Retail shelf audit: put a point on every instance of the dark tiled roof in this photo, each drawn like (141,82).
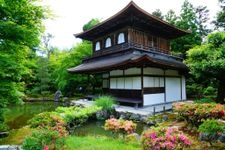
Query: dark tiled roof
(133,58)
(125,17)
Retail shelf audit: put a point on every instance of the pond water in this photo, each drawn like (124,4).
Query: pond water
(97,128)
(17,116)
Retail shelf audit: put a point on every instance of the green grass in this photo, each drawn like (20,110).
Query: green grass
(106,102)
(16,136)
(98,143)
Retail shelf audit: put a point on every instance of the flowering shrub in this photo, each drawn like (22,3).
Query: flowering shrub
(119,125)
(46,119)
(195,114)
(166,139)
(43,139)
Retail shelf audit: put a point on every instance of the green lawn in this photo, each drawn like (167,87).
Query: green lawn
(98,143)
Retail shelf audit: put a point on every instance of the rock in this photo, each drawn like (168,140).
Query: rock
(222,138)
(10,147)
(4,134)
(165,117)
(102,115)
(208,137)
(135,117)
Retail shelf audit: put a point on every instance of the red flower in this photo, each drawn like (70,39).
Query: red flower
(46,147)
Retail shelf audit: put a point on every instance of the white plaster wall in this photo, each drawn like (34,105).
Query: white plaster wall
(153,71)
(116,72)
(173,89)
(131,71)
(136,83)
(172,73)
(128,83)
(113,84)
(161,84)
(120,83)
(150,99)
(153,82)
(184,96)
(148,81)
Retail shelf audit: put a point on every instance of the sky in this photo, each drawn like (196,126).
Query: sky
(71,15)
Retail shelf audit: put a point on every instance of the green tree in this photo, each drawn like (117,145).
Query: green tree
(187,21)
(20,29)
(43,76)
(90,24)
(171,17)
(220,18)
(158,14)
(202,18)
(208,61)
(66,81)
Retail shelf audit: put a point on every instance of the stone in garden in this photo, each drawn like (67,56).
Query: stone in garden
(165,117)
(222,138)
(57,95)
(135,117)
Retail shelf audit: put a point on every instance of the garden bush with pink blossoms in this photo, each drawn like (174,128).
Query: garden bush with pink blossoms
(120,126)
(195,114)
(164,139)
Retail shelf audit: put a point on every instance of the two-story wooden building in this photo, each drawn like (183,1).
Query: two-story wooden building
(132,52)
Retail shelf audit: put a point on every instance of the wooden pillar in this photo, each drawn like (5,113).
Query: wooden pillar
(164,76)
(142,84)
(181,88)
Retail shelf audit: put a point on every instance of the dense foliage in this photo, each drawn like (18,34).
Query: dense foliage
(43,139)
(208,61)
(164,138)
(195,114)
(46,119)
(212,126)
(65,81)
(76,115)
(21,26)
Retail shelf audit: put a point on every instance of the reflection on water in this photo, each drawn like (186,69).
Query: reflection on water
(18,115)
(97,128)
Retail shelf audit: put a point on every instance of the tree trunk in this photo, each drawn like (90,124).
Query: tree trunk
(221,92)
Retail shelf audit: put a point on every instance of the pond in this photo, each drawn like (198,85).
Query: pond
(97,128)
(17,116)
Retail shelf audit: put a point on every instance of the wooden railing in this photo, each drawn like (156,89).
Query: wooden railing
(125,46)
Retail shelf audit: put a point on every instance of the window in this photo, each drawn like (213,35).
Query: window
(121,38)
(108,42)
(97,46)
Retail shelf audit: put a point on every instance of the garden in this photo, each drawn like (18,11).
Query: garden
(33,70)
(191,125)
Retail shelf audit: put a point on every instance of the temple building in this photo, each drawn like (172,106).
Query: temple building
(132,52)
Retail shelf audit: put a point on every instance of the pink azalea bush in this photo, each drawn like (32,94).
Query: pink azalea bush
(195,114)
(164,139)
(119,125)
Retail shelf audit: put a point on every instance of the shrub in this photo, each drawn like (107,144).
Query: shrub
(76,115)
(3,127)
(204,100)
(162,138)
(211,130)
(212,126)
(120,126)
(195,114)
(46,119)
(106,102)
(43,139)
